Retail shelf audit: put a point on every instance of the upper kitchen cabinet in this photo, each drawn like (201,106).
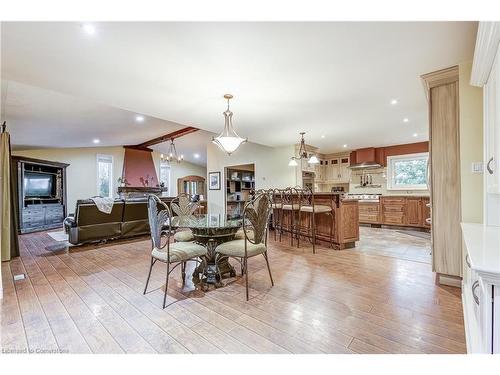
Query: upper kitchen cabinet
(444,162)
(491,90)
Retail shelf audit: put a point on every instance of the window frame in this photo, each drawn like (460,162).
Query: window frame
(390,171)
(102,158)
(169,167)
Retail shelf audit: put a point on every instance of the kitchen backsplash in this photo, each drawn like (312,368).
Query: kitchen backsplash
(378,177)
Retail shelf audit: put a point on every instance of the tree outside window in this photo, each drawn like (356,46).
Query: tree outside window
(407,172)
(105,176)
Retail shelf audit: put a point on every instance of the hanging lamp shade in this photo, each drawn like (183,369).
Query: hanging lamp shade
(292,162)
(313,160)
(228,141)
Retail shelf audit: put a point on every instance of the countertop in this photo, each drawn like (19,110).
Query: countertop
(406,195)
(483,247)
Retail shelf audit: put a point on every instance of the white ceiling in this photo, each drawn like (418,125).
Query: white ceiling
(40,118)
(334,79)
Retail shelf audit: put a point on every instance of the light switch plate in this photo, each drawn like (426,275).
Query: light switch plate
(477,167)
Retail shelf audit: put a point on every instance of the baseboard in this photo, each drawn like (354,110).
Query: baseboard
(1,293)
(449,280)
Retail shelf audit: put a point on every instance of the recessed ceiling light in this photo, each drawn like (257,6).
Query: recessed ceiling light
(322,136)
(139,118)
(345,146)
(96,141)
(415,134)
(196,156)
(394,101)
(89,28)
(405,119)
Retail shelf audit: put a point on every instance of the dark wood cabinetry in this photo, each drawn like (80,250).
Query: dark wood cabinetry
(41,193)
(399,211)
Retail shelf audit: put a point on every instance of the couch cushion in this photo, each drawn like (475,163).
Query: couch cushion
(179,251)
(236,248)
(88,214)
(135,228)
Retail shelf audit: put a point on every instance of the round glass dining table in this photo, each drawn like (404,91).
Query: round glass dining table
(210,230)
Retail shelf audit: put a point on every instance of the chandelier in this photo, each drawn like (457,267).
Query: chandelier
(228,141)
(172,154)
(302,154)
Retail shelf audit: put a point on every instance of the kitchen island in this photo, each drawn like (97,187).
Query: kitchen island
(344,226)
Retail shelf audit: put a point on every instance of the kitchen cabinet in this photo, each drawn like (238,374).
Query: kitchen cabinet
(481,288)
(369,212)
(396,210)
(413,211)
(337,170)
(444,162)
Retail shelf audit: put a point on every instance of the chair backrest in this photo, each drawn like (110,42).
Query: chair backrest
(257,212)
(159,222)
(305,197)
(183,206)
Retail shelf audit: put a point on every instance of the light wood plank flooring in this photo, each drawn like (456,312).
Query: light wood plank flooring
(89,299)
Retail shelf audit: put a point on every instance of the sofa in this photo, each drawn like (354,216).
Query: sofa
(128,218)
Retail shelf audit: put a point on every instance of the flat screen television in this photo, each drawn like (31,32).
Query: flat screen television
(39,185)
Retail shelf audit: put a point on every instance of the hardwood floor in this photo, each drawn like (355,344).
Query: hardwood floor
(90,300)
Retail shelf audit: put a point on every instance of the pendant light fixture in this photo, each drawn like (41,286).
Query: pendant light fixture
(302,154)
(228,141)
(172,154)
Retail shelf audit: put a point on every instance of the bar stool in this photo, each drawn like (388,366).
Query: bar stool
(308,206)
(277,206)
(291,207)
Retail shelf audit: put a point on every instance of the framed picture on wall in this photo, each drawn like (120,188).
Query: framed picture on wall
(214,180)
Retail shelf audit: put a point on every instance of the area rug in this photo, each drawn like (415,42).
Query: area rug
(59,236)
(415,233)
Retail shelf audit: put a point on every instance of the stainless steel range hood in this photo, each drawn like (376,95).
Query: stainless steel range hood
(366,165)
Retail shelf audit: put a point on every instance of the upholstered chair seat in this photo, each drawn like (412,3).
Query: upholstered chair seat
(236,248)
(184,236)
(318,208)
(291,206)
(179,252)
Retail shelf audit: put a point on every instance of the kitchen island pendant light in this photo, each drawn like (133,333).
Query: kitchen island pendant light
(302,154)
(228,141)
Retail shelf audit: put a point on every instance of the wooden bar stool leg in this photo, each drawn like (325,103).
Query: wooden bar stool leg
(331,229)
(314,232)
(298,230)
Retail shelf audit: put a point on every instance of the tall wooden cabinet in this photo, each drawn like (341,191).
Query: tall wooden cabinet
(444,164)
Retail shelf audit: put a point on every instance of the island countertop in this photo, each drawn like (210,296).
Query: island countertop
(343,220)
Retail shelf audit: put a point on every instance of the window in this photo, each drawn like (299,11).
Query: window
(407,172)
(105,176)
(165,176)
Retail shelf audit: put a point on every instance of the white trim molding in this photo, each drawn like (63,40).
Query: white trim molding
(487,40)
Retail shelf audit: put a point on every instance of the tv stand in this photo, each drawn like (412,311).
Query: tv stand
(44,212)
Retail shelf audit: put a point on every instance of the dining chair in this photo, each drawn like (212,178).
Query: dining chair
(256,214)
(183,207)
(172,254)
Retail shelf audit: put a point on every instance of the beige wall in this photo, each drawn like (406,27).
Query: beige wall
(271,168)
(82,170)
(471,145)
(184,169)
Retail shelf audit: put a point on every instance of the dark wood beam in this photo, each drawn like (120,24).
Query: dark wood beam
(166,137)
